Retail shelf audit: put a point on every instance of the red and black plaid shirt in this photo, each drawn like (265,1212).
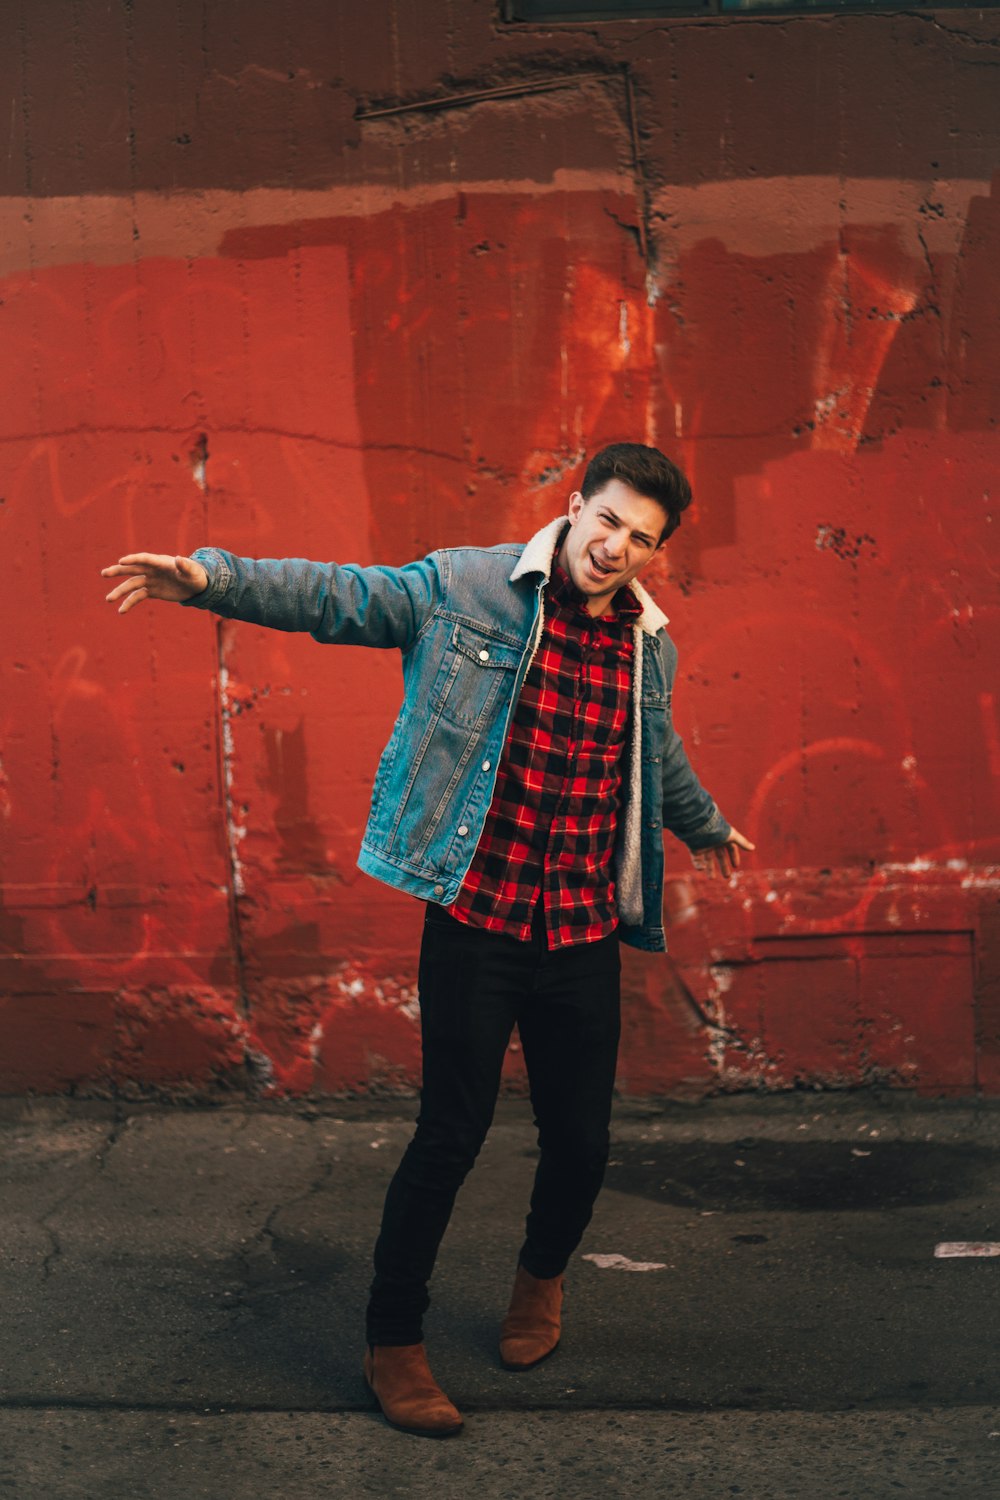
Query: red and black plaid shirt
(550,829)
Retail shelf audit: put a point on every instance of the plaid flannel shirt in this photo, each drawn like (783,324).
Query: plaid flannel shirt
(550,830)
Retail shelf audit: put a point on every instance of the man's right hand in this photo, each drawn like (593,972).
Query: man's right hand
(153,575)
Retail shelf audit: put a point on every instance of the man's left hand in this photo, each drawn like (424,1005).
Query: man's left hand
(724,858)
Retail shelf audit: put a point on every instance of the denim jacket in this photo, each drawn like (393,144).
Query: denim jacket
(468,621)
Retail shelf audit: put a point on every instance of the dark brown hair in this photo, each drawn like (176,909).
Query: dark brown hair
(646,470)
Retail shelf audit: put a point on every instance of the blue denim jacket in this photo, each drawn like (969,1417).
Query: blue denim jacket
(467,621)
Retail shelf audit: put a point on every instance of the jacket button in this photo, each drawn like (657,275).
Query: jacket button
(484,656)
(486,765)
(463,831)
(653,823)
(439,890)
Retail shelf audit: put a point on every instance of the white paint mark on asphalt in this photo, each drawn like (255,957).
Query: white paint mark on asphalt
(952,1249)
(856,1151)
(622,1263)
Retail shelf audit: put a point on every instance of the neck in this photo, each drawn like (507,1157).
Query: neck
(598,607)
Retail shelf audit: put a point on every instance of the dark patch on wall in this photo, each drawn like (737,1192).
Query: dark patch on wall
(117,99)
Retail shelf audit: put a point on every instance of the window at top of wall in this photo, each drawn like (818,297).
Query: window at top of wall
(633,10)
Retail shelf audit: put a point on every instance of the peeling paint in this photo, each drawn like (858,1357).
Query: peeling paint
(623,337)
(235,830)
(199,462)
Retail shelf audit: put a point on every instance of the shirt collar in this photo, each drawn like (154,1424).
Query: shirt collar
(563,591)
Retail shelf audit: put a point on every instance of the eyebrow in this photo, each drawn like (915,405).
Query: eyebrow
(642,536)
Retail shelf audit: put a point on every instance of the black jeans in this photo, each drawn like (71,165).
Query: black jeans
(474,986)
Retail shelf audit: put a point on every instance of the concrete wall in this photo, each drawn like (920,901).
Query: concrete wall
(242,305)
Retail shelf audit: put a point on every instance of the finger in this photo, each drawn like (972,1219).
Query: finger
(136,597)
(146,559)
(734,855)
(117,569)
(138,582)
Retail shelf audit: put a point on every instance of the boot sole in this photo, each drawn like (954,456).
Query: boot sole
(507,1365)
(430,1432)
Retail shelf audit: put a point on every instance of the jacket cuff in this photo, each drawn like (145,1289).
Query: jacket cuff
(219,578)
(714,831)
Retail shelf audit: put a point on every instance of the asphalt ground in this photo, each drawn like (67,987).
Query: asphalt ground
(182,1296)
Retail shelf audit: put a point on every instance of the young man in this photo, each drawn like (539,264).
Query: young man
(522,796)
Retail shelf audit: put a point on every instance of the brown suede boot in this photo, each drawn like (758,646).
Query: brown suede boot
(407,1392)
(531,1329)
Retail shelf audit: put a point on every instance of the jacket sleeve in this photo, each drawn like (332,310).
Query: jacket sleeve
(337,604)
(688,810)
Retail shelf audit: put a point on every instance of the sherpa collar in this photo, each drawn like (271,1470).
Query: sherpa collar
(537,558)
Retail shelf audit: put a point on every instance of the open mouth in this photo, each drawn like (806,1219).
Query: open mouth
(598,568)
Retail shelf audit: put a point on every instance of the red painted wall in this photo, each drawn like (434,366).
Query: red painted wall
(236,311)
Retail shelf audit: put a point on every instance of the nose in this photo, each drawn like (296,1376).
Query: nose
(614,544)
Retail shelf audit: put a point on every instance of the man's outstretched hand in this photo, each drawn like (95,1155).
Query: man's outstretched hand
(724,857)
(153,575)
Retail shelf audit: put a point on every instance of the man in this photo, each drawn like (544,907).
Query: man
(522,796)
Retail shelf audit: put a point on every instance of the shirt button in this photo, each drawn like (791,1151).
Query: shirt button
(486,765)
(439,890)
(484,656)
(463,831)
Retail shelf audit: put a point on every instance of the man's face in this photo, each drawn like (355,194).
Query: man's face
(611,538)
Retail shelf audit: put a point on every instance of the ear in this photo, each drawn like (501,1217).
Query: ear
(666,534)
(576,504)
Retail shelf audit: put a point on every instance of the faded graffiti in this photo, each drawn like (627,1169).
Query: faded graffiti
(182,800)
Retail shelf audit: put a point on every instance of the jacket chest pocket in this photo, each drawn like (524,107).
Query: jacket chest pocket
(477,670)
